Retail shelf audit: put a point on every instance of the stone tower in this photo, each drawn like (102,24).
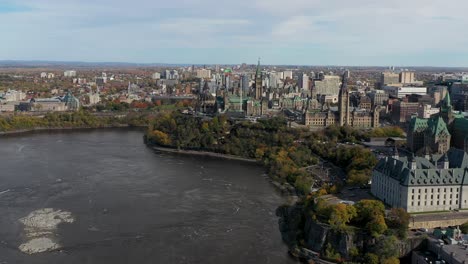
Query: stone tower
(343,102)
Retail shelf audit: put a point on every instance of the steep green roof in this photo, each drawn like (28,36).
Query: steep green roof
(447,104)
(427,173)
(418,124)
(437,126)
(259,71)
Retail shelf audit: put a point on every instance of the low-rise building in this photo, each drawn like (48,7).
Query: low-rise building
(400,92)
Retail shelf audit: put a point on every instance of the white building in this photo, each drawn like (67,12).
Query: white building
(156,76)
(426,111)
(7,107)
(203,73)
(423,184)
(400,92)
(43,74)
(287,74)
(274,79)
(327,85)
(407,77)
(303,81)
(12,96)
(69,73)
(171,75)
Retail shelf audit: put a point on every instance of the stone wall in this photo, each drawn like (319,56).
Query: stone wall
(437,223)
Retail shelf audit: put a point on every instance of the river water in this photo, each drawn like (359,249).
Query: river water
(130,204)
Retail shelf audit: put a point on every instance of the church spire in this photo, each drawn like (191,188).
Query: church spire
(258,72)
(448,101)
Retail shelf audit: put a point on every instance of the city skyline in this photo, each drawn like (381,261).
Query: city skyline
(299,32)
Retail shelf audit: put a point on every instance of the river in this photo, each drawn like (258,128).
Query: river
(129,204)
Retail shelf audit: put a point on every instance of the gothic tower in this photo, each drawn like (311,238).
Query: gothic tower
(446,110)
(343,102)
(258,82)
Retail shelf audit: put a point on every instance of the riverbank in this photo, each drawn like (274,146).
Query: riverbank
(50,129)
(203,153)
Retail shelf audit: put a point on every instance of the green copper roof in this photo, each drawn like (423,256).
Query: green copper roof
(437,126)
(418,124)
(427,173)
(259,71)
(447,104)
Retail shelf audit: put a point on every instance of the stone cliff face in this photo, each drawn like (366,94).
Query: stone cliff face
(299,231)
(317,236)
(290,223)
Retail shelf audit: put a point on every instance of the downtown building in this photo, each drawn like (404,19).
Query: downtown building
(435,176)
(343,115)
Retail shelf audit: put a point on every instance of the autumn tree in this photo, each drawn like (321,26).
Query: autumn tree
(160,138)
(371,215)
(341,214)
(399,219)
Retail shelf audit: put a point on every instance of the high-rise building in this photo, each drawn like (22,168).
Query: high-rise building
(156,76)
(274,79)
(203,73)
(287,74)
(244,83)
(303,81)
(407,77)
(378,97)
(258,83)
(389,78)
(327,85)
(171,75)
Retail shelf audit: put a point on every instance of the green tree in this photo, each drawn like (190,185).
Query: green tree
(386,247)
(464,228)
(399,219)
(371,214)
(371,258)
(391,260)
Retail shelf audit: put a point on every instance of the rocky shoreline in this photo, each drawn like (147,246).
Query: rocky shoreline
(203,153)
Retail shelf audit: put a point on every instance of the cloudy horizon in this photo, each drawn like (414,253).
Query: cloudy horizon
(295,32)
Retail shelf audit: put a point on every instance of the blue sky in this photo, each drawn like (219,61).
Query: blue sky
(299,32)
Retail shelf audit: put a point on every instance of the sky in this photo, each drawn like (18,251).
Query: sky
(287,32)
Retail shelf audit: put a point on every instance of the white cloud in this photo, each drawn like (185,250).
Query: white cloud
(364,28)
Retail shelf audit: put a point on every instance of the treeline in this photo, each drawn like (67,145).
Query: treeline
(386,230)
(70,120)
(156,105)
(285,151)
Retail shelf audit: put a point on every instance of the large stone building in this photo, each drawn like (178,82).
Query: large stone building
(428,135)
(437,178)
(327,85)
(423,184)
(344,115)
(389,78)
(438,133)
